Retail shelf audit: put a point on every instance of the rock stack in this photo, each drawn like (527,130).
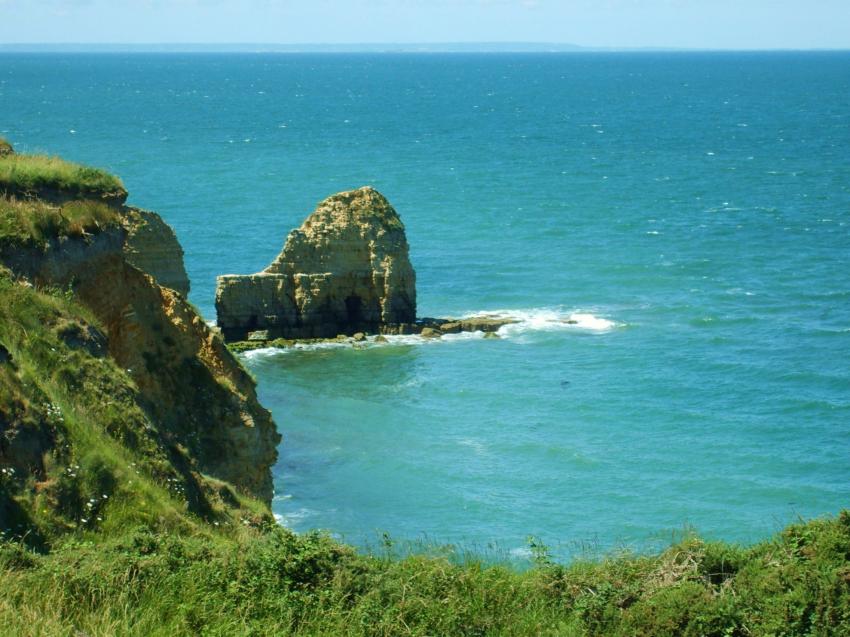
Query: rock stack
(345,270)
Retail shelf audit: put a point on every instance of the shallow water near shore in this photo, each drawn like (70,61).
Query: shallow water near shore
(690,212)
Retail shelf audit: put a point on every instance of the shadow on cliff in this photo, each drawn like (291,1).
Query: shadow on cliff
(16,523)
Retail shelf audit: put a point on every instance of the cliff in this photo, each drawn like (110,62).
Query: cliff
(149,243)
(345,269)
(152,247)
(104,373)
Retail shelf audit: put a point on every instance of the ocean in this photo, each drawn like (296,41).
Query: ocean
(691,211)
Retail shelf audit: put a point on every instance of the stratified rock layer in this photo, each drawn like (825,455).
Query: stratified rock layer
(345,270)
(152,246)
(188,382)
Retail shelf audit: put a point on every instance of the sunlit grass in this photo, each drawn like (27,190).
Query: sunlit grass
(31,173)
(274,582)
(35,223)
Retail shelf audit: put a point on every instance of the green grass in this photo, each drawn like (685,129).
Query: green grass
(87,456)
(31,174)
(33,224)
(272,582)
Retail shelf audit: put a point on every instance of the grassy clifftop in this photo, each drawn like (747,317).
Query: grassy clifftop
(116,402)
(43,176)
(33,224)
(117,406)
(268,581)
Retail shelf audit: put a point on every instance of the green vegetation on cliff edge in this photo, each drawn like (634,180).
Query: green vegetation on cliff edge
(269,581)
(107,526)
(31,224)
(21,174)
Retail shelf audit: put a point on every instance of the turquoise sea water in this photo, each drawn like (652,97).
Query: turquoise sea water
(692,209)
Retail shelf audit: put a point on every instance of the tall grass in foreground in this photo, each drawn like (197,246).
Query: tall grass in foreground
(273,582)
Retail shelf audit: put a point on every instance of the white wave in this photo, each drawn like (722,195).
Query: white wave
(293,517)
(521,552)
(591,322)
(263,352)
(525,321)
(416,339)
(546,320)
(476,446)
(269,352)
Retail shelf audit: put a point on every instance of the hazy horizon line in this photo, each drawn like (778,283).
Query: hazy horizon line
(376,47)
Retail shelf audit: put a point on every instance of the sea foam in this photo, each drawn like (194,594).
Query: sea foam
(547,320)
(527,321)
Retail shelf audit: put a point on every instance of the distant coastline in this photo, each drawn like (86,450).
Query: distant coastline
(391,48)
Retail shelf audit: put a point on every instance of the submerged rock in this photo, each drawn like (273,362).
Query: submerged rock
(452,327)
(485,324)
(346,269)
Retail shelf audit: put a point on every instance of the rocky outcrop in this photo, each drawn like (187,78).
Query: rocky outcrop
(189,383)
(6,148)
(193,390)
(345,270)
(152,246)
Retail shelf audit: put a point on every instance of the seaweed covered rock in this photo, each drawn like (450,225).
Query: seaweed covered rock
(345,270)
(6,148)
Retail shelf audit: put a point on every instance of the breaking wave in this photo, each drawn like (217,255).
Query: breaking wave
(526,322)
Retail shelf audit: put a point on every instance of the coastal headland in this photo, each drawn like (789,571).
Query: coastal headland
(135,469)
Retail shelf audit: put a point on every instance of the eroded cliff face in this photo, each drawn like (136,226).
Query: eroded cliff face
(189,382)
(190,386)
(152,246)
(346,269)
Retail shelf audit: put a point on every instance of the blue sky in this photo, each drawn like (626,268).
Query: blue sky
(721,24)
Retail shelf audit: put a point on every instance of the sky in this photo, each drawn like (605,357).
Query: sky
(700,24)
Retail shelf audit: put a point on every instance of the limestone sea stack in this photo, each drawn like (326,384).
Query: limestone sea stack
(345,270)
